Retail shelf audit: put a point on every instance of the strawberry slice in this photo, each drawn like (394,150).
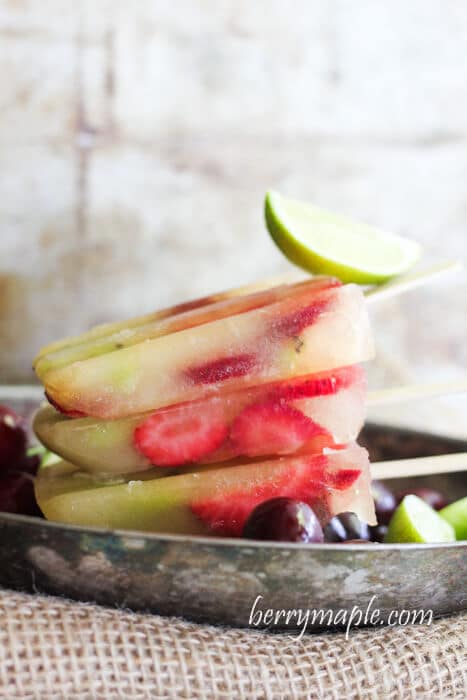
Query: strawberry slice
(170,438)
(280,427)
(227,513)
(222,369)
(307,480)
(294,323)
(344,478)
(324,384)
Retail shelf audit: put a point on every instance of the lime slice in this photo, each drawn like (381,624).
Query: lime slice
(325,243)
(456,515)
(416,521)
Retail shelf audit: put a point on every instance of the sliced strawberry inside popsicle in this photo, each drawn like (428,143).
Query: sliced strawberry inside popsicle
(273,427)
(182,437)
(305,480)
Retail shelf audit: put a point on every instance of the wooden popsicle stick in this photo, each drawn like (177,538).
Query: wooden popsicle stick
(398,285)
(405,283)
(415,392)
(419,466)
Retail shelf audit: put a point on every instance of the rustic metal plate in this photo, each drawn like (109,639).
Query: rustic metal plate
(218,580)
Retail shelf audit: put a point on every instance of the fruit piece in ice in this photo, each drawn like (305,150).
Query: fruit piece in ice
(209,500)
(416,521)
(456,515)
(167,439)
(283,520)
(345,527)
(308,478)
(334,401)
(273,426)
(223,369)
(238,351)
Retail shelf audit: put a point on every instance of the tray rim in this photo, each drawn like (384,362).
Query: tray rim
(204,540)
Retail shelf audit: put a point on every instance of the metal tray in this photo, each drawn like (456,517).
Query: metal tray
(218,580)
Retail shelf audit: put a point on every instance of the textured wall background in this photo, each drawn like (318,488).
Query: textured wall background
(137,141)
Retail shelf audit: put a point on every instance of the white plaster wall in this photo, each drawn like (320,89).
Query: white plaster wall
(137,141)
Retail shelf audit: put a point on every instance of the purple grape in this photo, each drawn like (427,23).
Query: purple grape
(378,532)
(344,527)
(13,439)
(385,502)
(434,498)
(283,520)
(29,464)
(17,494)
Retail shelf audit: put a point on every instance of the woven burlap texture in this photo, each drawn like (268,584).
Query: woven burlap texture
(56,649)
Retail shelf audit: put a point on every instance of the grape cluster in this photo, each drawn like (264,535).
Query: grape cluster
(289,520)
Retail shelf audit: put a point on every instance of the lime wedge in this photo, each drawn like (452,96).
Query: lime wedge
(456,515)
(325,243)
(416,521)
(49,459)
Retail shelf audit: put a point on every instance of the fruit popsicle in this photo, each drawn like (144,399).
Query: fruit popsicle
(208,500)
(307,413)
(111,330)
(160,325)
(313,327)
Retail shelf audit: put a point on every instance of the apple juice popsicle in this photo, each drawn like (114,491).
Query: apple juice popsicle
(296,330)
(209,500)
(302,414)
(84,345)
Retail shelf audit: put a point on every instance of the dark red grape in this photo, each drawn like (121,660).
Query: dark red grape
(17,494)
(385,502)
(29,464)
(434,498)
(378,532)
(344,527)
(283,520)
(13,439)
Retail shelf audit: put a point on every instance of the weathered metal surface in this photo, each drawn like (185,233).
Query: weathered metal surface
(215,580)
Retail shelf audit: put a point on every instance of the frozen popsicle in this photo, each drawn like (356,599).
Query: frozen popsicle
(306,328)
(104,330)
(208,500)
(307,413)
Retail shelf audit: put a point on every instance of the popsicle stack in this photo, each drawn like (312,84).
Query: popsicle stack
(186,419)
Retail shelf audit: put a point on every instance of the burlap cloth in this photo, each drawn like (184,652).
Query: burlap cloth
(56,649)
